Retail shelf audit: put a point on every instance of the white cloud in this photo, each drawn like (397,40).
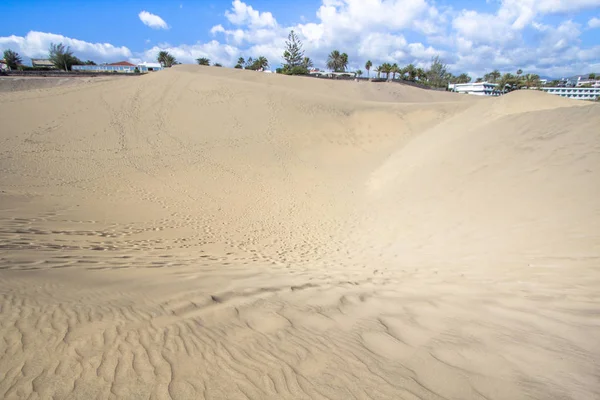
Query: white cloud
(243,14)
(215,51)
(516,34)
(152,20)
(484,28)
(558,6)
(362,28)
(36,44)
(216,29)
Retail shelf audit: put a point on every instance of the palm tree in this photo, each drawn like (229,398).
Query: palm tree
(394,70)
(334,60)
(492,77)
(12,59)
(358,73)
(479,80)
(379,71)
(421,74)
(166,59)
(368,66)
(532,80)
(337,61)
(592,76)
(495,75)
(217,64)
(162,56)
(171,61)
(519,72)
(261,63)
(463,78)
(307,63)
(386,68)
(508,82)
(241,61)
(203,61)
(344,61)
(411,71)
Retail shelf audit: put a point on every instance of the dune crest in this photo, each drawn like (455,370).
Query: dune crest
(215,233)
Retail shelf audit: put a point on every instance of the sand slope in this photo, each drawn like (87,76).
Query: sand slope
(223,234)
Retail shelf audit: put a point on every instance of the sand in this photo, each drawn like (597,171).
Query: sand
(209,233)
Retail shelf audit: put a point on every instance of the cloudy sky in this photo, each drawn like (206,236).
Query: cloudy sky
(550,37)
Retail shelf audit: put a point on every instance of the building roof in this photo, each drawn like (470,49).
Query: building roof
(41,62)
(123,64)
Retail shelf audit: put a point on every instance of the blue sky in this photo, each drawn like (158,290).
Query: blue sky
(549,37)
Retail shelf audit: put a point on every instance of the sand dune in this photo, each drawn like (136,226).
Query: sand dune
(223,234)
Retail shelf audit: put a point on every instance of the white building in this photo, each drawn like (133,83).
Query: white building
(475,88)
(579,93)
(588,82)
(150,66)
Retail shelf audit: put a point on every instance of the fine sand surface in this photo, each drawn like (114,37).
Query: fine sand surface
(209,233)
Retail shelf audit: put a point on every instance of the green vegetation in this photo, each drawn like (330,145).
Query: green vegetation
(12,59)
(462,78)
(294,56)
(307,63)
(62,57)
(378,70)
(254,64)
(437,75)
(203,61)
(368,66)
(166,59)
(337,62)
(509,82)
(240,63)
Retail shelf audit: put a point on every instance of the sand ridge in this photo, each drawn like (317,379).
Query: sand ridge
(215,233)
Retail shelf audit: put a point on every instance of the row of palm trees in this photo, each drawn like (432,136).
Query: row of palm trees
(410,71)
(509,81)
(259,63)
(205,61)
(338,62)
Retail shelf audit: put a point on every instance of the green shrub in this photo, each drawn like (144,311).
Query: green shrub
(297,70)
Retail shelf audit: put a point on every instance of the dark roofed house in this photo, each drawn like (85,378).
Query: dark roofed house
(41,62)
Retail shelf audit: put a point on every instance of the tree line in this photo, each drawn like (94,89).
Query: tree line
(509,81)
(60,55)
(297,63)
